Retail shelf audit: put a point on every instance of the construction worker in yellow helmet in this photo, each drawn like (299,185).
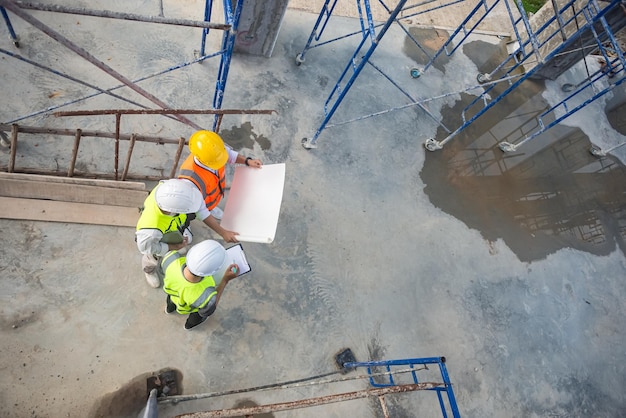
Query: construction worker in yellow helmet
(205,169)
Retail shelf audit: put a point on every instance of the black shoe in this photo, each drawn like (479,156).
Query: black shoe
(194,319)
(171,306)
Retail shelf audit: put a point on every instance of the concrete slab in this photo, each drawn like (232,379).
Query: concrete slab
(381,246)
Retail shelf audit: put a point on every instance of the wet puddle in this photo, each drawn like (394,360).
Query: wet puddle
(244,137)
(551,193)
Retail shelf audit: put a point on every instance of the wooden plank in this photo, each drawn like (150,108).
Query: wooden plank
(80,213)
(132,185)
(77,193)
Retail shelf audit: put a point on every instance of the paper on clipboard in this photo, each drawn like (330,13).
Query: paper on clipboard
(235,255)
(253,204)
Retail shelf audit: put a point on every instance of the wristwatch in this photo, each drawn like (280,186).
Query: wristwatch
(247,159)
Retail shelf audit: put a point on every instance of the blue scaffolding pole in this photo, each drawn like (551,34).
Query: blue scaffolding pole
(355,65)
(228,41)
(532,52)
(360,58)
(528,52)
(229,37)
(397,370)
(12,34)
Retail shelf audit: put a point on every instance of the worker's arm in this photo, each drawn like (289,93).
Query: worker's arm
(149,242)
(210,307)
(252,162)
(227,236)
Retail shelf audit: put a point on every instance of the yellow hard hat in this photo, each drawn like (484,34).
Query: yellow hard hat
(209,149)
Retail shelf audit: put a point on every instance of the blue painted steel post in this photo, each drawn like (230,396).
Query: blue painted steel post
(12,34)
(327,12)
(228,44)
(208,6)
(433,145)
(311,143)
(387,364)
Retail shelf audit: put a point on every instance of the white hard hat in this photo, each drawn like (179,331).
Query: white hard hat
(178,196)
(207,258)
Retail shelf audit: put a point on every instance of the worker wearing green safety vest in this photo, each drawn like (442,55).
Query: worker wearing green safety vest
(164,223)
(195,283)
(170,226)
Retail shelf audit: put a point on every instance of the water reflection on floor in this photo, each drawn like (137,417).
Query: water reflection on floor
(549,194)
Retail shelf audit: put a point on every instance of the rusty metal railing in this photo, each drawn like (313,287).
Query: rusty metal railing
(117,136)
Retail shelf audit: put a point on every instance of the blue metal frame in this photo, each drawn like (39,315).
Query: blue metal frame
(592,15)
(228,44)
(355,64)
(529,52)
(12,34)
(391,366)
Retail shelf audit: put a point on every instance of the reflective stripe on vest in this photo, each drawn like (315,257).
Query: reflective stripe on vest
(188,297)
(210,184)
(152,217)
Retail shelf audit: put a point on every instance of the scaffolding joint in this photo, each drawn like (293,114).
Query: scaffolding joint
(308,143)
(432,145)
(507,147)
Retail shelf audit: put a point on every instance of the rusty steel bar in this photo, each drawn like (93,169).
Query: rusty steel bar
(70,170)
(122,16)
(131,145)
(14,130)
(179,151)
(96,134)
(164,112)
(383,405)
(60,173)
(283,385)
(305,403)
(118,119)
(218,123)
(10,5)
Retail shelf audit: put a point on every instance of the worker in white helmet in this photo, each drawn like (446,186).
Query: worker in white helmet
(195,283)
(205,168)
(164,223)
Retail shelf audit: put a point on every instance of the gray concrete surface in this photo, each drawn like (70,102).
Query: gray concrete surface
(510,266)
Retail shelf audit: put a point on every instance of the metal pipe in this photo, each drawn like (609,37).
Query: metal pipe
(164,112)
(218,123)
(98,134)
(14,130)
(59,173)
(305,403)
(11,5)
(10,27)
(70,171)
(383,405)
(43,67)
(118,118)
(308,381)
(133,138)
(179,151)
(123,16)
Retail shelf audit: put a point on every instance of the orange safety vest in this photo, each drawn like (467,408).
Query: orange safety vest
(210,184)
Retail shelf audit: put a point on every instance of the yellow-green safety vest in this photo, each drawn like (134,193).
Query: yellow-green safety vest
(188,297)
(151,217)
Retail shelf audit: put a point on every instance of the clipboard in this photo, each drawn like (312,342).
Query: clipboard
(235,255)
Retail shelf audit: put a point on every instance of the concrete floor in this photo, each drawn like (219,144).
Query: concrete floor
(510,266)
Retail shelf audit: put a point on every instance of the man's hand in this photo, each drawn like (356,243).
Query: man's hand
(231,272)
(229,236)
(255,163)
